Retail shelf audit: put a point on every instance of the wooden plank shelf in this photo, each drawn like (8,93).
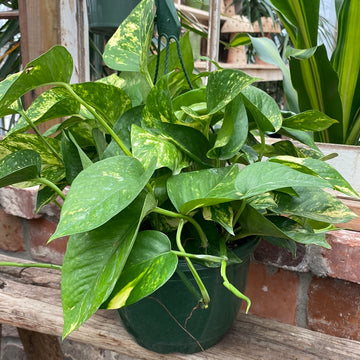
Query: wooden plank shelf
(30,301)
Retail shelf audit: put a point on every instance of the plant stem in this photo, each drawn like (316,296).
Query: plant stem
(97,117)
(226,282)
(204,242)
(25,265)
(202,288)
(21,111)
(51,185)
(210,258)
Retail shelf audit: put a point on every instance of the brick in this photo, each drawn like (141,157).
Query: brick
(343,260)
(19,202)
(40,231)
(11,238)
(334,307)
(273,293)
(267,253)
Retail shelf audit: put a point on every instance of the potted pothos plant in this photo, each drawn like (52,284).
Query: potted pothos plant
(165,182)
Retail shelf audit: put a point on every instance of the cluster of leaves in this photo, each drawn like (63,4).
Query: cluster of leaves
(159,172)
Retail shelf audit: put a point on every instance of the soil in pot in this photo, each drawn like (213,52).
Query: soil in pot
(170,320)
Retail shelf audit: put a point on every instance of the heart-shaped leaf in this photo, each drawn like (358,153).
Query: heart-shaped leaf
(100,192)
(108,100)
(253,223)
(147,146)
(223,86)
(94,260)
(320,168)
(233,132)
(19,166)
(314,204)
(52,104)
(188,191)
(263,108)
(128,48)
(55,65)
(310,120)
(150,264)
(262,177)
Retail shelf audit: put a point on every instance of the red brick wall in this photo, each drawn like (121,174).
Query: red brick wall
(318,289)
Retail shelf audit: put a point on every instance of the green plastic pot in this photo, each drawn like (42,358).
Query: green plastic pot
(168,320)
(105,16)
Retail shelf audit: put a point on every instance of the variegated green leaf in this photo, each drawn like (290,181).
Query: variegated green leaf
(127,49)
(94,260)
(15,142)
(100,192)
(108,100)
(233,132)
(262,177)
(221,214)
(147,146)
(55,65)
(52,104)
(150,264)
(158,105)
(311,120)
(314,204)
(223,86)
(319,168)
(264,109)
(19,166)
(188,191)
(253,223)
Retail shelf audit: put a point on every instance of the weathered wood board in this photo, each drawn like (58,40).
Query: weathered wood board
(30,299)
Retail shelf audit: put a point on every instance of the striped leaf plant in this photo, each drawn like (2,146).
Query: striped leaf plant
(147,164)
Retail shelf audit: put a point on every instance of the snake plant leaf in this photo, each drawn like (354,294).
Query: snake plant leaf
(254,223)
(303,15)
(127,49)
(223,86)
(189,191)
(55,65)
(268,52)
(314,204)
(108,100)
(150,264)
(263,108)
(318,168)
(87,279)
(346,62)
(52,104)
(16,142)
(100,192)
(233,132)
(319,91)
(19,166)
(311,120)
(191,141)
(221,214)
(146,146)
